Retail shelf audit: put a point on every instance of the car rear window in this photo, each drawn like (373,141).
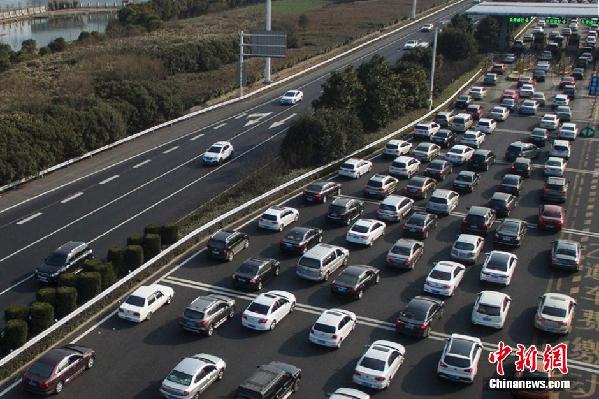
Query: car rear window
(216,243)
(401,165)
(56,259)
(269,216)
(498,262)
(437,200)
(324,328)
(375,183)
(216,149)
(478,157)
(554,186)
(249,268)
(464,246)
(484,123)
(41,369)
(258,308)
(337,208)
(436,166)
(349,166)
(310,263)
(551,213)
(179,377)
(488,309)
(392,146)
(456,361)
(440,275)
(508,228)
(386,207)
(314,188)
(559,147)
(553,311)
(193,314)
(416,182)
(136,301)
(509,180)
(459,120)
(465,178)
(347,279)
(373,364)
(295,235)
(401,250)
(358,228)
(417,221)
(475,219)
(566,251)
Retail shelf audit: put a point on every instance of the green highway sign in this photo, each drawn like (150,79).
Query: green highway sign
(587,132)
(556,21)
(589,21)
(519,20)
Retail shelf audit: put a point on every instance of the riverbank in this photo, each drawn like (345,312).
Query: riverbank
(55,13)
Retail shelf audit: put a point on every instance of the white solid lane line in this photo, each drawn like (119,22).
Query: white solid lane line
(28,218)
(16,285)
(10,387)
(219,126)
(170,149)
(72,197)
(109,179)
(139,165)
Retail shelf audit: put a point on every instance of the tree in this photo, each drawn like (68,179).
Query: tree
(57,45)
(487,34)
(342,90)
(303,21)
(455,44)
(28,46)
(461,22)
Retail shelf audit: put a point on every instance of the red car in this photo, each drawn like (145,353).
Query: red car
(52,371)
(566,80)
(476,110)
(509,93)
(551,217)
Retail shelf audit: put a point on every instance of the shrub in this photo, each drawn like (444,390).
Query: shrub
(89,285)
(169,234)
(116,256)
(134,256)
(44,51)
(47,294)
(135,240)
(152,245)
(57,45)
(152,229)
(41,316)
(66,301)
(67,280)
(15,335)
(16,312)
(91,265)
(108,277)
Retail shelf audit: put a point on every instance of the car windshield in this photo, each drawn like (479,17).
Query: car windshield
(456,361)
(489,310)
(56,259)
(498,261)
(349,166)
(416,311)
(310,263)
(566,251)
(136,301)
(193,314)
(216,243)
(553,311)
(466,178)
(401,250)
(373,364)
(478,157)
(475,219)
(465,246)
(416,221)
(510,181)
(359,228)
(258,308)
(41,369)
(347,279)
(440,275)
(249,268)
(179,377)
(326,328)
(422,147)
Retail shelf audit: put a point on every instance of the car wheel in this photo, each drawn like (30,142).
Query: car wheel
(292,307)
(296,218)
(273,325)
(325,277)
(232,312)
(90,363)
(304,250)
(345,261)
(360,294)
(338,192)
(319,239)
(281,227)
(210,330)
(277,270)
(338,344)
(259,285)
(221,374)
(59,386)
(296,386)
(347,221)
(427,331)
(149,316)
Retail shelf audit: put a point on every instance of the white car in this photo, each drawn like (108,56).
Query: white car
(529,107)
(499,267)
(568,131)
(554,166)
(560,99)
(491,309)
(538,29)
(192,376)
(410,44)
(291,97)
(426,151)
(426,130)
(426,28)
(332,327)
(366,231)
(442,201)
(478,92)
(555,313)
(348,393)
(278,217)
(397,148)
(549,121)
(467,248)
(473,138)
(486,125)
(543,65)
(499,113)
(218,153)
(444,278)
(355,168)
(379,364)
(268,309)
(422,44)
(460,357)
(526,90)
(458,154)
(145,301)
(404,166)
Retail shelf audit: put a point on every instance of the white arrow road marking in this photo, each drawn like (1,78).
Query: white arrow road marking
(196,137)
(219,126)
(72,197)
(147,161)
(282,121)
(256,118)
(109,179)
(28,218)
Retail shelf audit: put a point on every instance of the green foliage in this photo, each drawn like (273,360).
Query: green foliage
(134,256)
(461,22)
(342,90)
(91,265)
(455,44)
(106,271)
(44,51)
(135,240)
(89,284)
(152,229)
(151,245)
(57,45)
(303,21)
(16,312)
(67,280)
(66,301)
(169,234)
(198,57)
(41,317)
(83,36)
(28,46)
(487,34)
(15,335)
(116,256)
(46,294)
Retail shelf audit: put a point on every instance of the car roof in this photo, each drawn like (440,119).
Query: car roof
(557,300)
(512,221)
(341,201)
(492,298)
(567,244)
(568,124)
(381,349)
(466,173)
(190,365)
(356,270)
(478,210)
(446,265)
(275,210)
(146,290)
(320,250)
(222,235)
(201,303)
(426,145)
(300,229)
(394,199)
(550,207)
(459,147)
(379,177)
(221,143)
(403,158)
(394,141)
(354,160)
(523,160)
(70,246)
(55,355)
(366,222)
(331,317)
(467,238)
(406,243)
(499,195)
(441,193)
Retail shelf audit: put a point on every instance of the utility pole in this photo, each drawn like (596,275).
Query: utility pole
(413,15)
(241,64)
(267,28)
(430,99)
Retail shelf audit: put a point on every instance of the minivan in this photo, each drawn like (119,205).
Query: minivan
(462,122)
(394,208)
(560,148)
(321,261)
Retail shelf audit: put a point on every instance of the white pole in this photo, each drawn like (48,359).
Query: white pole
(414,9)
(267,28)
(241,64)
(430,99)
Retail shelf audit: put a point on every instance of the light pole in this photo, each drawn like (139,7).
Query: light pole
(413,15)
(267,28)
(430,99)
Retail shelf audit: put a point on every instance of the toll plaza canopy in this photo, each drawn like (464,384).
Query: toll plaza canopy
(563,10)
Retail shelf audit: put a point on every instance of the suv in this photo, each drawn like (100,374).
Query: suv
(490,79)
(270,381)
(321,191)
(344,210)
(321,261)
(442,202)
(444,137)
(254,272)
(225,244)
(444,118)
(479,220)
(460,357)
(207,312)
(555,189)
(481,160)
(66,258)
(520,149)
(538,136)
(380,185)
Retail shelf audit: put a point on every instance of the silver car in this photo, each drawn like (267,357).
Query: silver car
(566,254)
(555,313)
(192,376)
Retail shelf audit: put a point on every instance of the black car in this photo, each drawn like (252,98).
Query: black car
(479,220)
(419,225)
(466,181)
(539,75)
(344,210)
(555,189)
(502,203)
(270,381)
(444,137)
(321,191)
(510,232)
(463,102)
(481,160)
(254,272)
(300,239)
(66,258)
(354,280)
(522,167)
(521,149)
(418,317)
(419,187)
(511,184)
(438,169)
(578,73)
(225,244)
(538,136)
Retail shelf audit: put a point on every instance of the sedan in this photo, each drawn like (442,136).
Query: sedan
(254,272)
(267,310)
(479,220)
(511,184)
(510,232)
(405,253)
(486,125)
(564,113)
(551,217)
(502,203)
(459,154)
(475,110)
(491,309)
(321,191)
(508,103)
(444,137)
(509,93)
(462,102)
(560,99)
(566,254)
(426,152)
(538,136)
(355,168)
(522,167)
(426,28)
(499,267)
(354,280)
(555,313)
(410,44)
(192,376)
(549,122)
(473,138)
(300,239)
(379,364)
(554,166)
(460,357)
(499,113)
(467,248)
(348,393)
(332,327)
(481,160)
(438,169)
(366,231)
(419,187)
(291,97)
(478,92)
(144,301)
(539,97)
(526,90)
(48,374)
(528,107)
(567,131)
(419,225)
(444,278)
(418,317)
(466,181)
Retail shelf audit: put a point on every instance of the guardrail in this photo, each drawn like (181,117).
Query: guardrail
(219,105)
(220,219)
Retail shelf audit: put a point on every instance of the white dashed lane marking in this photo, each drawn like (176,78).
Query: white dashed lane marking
(219,126)
(147,161)
(72,197)
(29,218)
(170,149)
(194,138)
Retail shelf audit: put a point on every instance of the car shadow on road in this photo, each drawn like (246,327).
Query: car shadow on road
(413,383)
(298,345)
(170,333)
(522,329)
